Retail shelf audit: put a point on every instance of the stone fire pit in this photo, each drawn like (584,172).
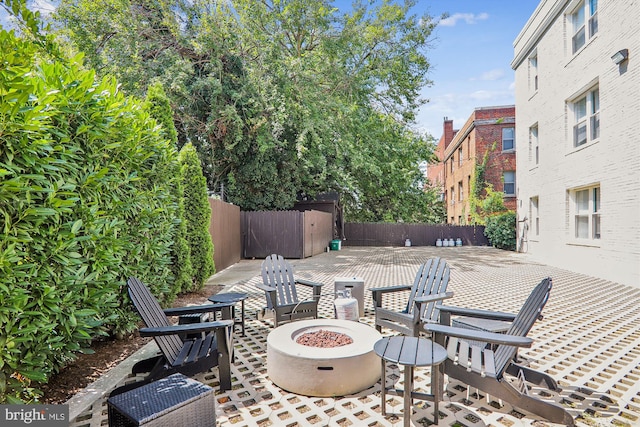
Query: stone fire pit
(318,371)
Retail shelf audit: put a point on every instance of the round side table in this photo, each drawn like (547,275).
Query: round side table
(411,352)
(232,297)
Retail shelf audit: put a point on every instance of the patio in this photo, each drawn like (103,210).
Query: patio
(589,341)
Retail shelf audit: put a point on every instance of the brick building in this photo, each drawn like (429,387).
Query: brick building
(577,77)
(490,131)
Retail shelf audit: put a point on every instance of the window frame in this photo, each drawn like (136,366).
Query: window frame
(585,214)
(505,183)
(533,72)
(585,109)
(534,215)
(583,21)
(512,139)
(534,144)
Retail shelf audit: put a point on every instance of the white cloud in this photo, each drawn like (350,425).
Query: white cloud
(495,74)
(482,95)
(469,18)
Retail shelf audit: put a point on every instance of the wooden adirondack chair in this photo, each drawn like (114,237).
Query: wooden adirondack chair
(427,292)
(280,290)
(484,367)
(188,356)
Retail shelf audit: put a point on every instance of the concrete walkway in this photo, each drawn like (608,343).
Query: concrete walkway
(589,341)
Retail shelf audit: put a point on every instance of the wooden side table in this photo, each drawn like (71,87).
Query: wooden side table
(411,352)
(232,297)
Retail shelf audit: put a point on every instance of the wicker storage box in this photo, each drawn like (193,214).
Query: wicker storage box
(172,401)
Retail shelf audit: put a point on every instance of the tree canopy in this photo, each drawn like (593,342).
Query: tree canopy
(281,98)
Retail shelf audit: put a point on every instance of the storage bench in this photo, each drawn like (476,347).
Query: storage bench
(172,401)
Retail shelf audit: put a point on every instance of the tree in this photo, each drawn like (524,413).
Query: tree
(160,109)
(197,216)
(276,96)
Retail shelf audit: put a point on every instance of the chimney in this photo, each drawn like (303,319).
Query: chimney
(447,131)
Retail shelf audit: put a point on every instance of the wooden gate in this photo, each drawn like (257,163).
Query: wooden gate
(292,234)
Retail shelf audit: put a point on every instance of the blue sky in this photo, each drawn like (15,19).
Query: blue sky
(469,57)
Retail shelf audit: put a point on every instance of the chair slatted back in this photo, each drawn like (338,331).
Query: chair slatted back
(153,316)
(432,278)
(531,310)
(278,273)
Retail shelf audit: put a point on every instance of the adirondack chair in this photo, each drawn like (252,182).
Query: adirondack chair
(189,356)
(484,367)
(281,293)
(427,292)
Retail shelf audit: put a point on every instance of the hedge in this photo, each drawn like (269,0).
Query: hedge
(86,200)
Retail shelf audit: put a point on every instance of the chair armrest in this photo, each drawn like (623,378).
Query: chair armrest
(308,282)
(488,337)
(433,298)
(179,311)
(391,289)
(265,288)
(482,314)
(190,328)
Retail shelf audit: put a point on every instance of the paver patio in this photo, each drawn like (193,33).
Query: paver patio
(589,341)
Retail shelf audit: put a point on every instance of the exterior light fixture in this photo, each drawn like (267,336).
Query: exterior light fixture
(620,56)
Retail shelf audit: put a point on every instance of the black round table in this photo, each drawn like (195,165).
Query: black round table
(232,297)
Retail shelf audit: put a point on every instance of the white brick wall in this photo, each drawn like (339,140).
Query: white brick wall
(613,161)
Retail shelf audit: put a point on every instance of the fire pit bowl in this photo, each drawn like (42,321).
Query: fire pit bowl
(318,371)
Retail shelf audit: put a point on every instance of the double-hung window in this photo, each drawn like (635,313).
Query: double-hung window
(586,203)
(581,30)
(534,152)
(509,183)
(534,215)
(508,139)
(533,72)
(586,111)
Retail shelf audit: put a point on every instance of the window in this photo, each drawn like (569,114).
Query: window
(586,209)
(509,183)
(593,17)
(534,154)
(453,197)
(534,215)
(460,193)
(585,8)
(452,161)
(586,112)
(460,156)
(533,72)
(508,139)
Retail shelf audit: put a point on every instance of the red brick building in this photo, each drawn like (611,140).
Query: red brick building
(488,130)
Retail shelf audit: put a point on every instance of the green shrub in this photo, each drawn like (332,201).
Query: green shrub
(160,109)
(86,199)
(500,229)
(197,215)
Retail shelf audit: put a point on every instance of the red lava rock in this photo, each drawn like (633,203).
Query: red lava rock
(324,339)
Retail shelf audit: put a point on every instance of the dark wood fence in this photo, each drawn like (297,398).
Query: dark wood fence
(225,233)
(292,234)
(395,234)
